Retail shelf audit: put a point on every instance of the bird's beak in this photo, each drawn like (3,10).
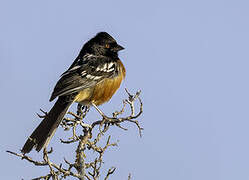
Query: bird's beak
(117,48)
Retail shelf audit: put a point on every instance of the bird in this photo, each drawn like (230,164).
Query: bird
(91,80)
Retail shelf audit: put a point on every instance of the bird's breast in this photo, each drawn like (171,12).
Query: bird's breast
(102,91)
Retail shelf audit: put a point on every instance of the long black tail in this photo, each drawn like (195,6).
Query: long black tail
(46,129)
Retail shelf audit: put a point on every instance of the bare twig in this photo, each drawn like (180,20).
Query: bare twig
(129,177)
(110,171)
(81,169)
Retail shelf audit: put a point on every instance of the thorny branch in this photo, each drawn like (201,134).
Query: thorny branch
(81,169)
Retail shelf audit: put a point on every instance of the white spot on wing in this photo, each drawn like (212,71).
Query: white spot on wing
(93,77)
(75,67)
(99,68)
(83,73)
(88,56)
(89,76)
(105,66)
(97,77)
(110,65)
(109,70)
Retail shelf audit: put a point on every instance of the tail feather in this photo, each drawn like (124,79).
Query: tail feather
(46,129)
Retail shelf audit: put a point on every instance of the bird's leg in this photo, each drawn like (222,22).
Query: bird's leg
(100,112)
(82,110)
(79,109)
(85,110)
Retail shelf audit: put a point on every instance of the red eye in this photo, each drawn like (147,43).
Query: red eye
(107,45)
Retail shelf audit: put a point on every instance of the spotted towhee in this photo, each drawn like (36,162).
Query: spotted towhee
(92,79)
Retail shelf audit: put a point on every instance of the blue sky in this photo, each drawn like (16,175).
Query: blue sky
(189,58)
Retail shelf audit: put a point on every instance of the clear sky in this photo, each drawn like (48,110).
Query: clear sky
(189,58)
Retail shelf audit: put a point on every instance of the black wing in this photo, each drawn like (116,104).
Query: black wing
(86,73)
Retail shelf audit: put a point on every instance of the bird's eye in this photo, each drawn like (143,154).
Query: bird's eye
(107,46)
